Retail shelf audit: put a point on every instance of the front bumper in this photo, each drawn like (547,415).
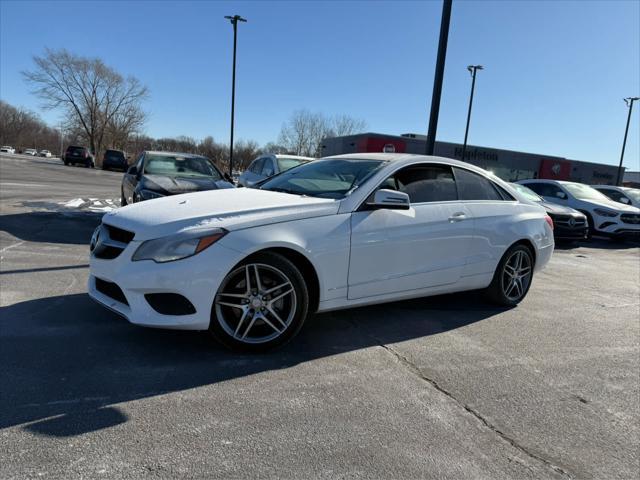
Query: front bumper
(196,278)
(615,227)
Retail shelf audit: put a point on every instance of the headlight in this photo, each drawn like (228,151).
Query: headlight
(177,247)
(149,194)
(605,213)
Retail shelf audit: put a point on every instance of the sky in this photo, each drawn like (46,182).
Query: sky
(554,79)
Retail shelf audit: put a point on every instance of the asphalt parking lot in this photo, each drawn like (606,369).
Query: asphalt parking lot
(442,387)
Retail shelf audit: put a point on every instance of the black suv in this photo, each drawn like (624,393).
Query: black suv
(81,155)
(114,159)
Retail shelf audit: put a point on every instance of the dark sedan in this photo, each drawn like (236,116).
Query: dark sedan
(568,224)
(159,174)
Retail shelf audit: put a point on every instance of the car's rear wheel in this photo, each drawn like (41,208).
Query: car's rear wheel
(260,305)
(512,278)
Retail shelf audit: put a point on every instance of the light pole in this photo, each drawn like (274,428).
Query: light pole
(472,69)
(629,101)
(439,76)
(234,21)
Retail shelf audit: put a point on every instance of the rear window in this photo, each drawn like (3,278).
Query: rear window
(75,149)
(114,154)
(285,163)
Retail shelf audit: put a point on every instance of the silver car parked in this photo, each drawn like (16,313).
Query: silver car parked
(268,165)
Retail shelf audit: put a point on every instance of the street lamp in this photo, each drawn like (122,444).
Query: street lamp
(472,70)
(234,21)
(629,101)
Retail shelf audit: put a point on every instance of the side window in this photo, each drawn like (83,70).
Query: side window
(612,194)
(472,186)
(267,169)
(548,190)
(256,166)
(536,187)
(424,183)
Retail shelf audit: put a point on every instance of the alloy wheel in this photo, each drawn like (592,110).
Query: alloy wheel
(256,303)
(516,275)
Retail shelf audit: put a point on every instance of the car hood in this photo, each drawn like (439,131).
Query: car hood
(173,185)
(232,209)
(559,209)
(611,205)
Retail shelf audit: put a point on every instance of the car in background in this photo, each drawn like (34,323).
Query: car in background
(45,153)
(30,151)
(75,155)
(266,166)
(114,159)
(7,149)
(250,265)
(626,195)
(568,224)
(160,174)
(605,217)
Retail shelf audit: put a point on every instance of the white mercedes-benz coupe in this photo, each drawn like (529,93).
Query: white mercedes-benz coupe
(250,265)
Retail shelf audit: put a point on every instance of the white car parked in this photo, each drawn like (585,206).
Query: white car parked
(266,166)
(249,265)
(7,149)
(45,153)
(31,151)
(626,195)
(605,216)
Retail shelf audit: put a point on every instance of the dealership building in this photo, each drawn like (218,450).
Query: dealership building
(506,164)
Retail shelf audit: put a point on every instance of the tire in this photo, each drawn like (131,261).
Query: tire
(272,312)
(504,289)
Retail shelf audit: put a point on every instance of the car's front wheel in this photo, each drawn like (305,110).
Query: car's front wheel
(512,278)
(260,305)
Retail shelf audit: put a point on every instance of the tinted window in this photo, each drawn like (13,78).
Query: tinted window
(472,186)
(612,194)
(256,166)
(424,183)
(115,154)
(267,169)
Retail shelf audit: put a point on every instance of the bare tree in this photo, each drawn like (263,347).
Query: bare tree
(302,134)
(22,129)
(92,94)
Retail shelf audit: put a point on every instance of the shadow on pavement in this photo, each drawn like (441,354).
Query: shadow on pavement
(65,362)
(52,227)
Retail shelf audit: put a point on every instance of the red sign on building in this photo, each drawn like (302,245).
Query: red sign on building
(553,169)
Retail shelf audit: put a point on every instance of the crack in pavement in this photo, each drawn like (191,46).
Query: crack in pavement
(404,361)
(416,371)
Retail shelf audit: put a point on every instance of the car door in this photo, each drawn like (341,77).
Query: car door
(129,180)
(493,210)
(402,250)
(268,169)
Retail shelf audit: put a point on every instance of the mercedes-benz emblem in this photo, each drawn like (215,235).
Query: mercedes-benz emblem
(572,222)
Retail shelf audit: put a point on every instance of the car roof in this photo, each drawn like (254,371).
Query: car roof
(174,154)
(296,157)
(406,158)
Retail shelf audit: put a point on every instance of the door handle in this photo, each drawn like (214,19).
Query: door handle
(457,217)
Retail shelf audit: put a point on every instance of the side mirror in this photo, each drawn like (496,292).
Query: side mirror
(133,170)
(390,199)
(561,195)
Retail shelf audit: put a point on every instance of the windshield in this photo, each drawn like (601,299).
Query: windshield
(584,192)
(324,178)
(114,154)
(527,193)
(632,193)
(177,166)
(285,163)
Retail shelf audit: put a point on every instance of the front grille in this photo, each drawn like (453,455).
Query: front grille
(110,242)
(565,221)
(111,290)
(119,235)
(633,218)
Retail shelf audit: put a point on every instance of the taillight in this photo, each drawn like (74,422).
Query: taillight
(86,155)
(549,221)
